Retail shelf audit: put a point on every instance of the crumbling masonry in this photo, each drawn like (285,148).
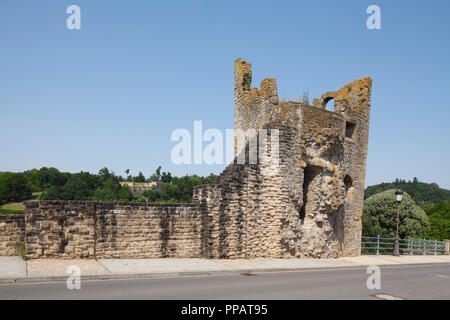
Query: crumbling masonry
(310,206)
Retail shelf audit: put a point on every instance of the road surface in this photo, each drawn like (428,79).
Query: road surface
(405,282)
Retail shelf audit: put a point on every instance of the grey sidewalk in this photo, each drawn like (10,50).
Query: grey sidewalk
(14,269)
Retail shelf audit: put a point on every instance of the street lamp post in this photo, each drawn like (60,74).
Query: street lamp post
(398,197)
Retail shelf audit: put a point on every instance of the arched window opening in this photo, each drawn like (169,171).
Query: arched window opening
(328,104)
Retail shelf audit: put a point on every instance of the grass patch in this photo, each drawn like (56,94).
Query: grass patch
(9,211)
(15,206)
(12,208)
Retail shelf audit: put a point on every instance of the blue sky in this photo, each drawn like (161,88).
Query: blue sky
(111,93)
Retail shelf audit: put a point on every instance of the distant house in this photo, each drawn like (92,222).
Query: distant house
(138,188)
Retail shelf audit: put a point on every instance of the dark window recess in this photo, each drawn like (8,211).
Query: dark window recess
(309,174)
(349,130)
(348,183)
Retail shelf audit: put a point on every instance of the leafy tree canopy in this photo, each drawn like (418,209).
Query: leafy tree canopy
(105,186)
(420,192)
(380,216)
(439,214)
(14,187)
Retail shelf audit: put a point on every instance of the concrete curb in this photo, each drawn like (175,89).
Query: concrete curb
(119,276)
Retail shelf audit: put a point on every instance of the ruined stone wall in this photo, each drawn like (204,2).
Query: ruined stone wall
(241,219)
(312,207)
(251,105)
(59,229)
(313,158)
(86,229)
(353,101)
(253,212)
(148,231)
(12,234)
(308,203)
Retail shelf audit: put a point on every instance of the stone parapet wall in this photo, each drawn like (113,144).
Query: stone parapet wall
(83,229)
(148,231)
(12,234)
(241,221)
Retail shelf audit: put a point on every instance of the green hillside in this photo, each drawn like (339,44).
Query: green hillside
(421,192)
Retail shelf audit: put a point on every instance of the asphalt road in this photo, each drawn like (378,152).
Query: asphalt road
(406,282)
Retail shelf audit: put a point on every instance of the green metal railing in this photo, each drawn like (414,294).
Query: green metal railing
(378,245)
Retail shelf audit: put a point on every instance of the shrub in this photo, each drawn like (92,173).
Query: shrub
(380,216)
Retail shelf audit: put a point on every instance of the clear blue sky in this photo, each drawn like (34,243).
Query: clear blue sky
(111,93)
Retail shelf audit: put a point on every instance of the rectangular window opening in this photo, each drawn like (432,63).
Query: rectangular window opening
(349,130)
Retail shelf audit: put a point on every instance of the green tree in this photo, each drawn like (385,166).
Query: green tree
(105,186)
(152,195)
(52,177)
(104,194)
(172,193)
(14,187)
(439,214)
(80,186)
(380,216)
(158,173)
(125,194)
(109,187)
(104,174)
(41,179)
(166,177)
(35,180)
(140,178)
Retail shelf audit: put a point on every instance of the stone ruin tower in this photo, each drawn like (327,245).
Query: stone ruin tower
(311,206)
(301,196)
